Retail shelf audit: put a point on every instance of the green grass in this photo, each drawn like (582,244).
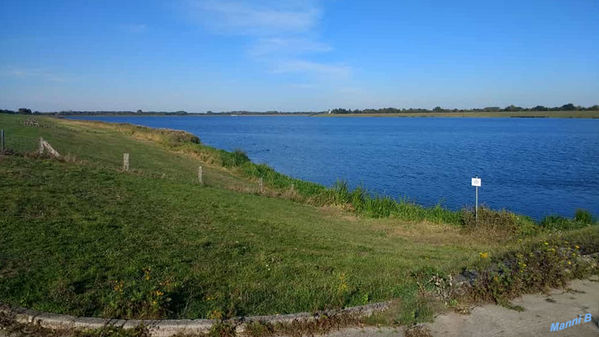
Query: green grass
(72,233)
(80,236)
(103,145)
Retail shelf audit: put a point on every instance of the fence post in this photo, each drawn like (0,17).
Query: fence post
(200,176)
(41,145)
(125,162)
(2,140)
(261,184)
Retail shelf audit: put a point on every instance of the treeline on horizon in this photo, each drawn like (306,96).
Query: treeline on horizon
(438,109)
(509,108)
(25,111)
(273,112)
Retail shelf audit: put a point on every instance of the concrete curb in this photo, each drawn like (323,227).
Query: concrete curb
(170,327)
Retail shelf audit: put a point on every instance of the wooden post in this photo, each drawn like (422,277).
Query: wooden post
(41,145)
(476,209)
(125,162)
(2,140)
(261,184)
(200,176)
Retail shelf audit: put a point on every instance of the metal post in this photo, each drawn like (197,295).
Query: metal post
(2,140)
(476,204)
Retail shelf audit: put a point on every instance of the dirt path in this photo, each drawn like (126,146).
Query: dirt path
(581,297)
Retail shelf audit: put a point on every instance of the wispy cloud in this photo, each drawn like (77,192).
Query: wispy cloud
(282,34)
(257,18)
(31,73)
(287,46)
(134,27)
(315,68)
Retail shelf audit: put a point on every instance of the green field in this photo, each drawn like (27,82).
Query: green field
(80,236)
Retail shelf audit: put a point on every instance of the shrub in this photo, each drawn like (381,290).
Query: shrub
(583,216)
(145,297)
(234,159)
(536,266)
(497,224)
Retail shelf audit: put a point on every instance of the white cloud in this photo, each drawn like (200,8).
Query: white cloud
(135,27)
(256,18)
(316,68)
(31,73)
(282,34)
(287,46)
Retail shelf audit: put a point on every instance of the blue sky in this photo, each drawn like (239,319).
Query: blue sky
(199,55)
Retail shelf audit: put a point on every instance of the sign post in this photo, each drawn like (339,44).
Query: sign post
(476,182)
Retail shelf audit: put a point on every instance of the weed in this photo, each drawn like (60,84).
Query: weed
(234,159)
(417,331)
(497,225)
(535,267)
(583,216)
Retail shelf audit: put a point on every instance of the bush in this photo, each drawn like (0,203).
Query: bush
(234,159)
(498,224)
(536,266)
(558,222)
(145,297)
(583,216)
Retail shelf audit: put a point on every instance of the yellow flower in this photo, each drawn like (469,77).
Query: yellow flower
(569,262)
(118,286)
(577,247)
(546,243)
(483,255)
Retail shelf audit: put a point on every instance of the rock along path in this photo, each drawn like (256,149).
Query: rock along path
(540,310)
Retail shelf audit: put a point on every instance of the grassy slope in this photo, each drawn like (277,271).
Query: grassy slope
(82,237)
(100,144)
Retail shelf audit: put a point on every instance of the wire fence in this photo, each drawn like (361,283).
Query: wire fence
(18,143)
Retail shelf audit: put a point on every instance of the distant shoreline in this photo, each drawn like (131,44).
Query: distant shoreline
(466,114)
(463,114)
(478,114)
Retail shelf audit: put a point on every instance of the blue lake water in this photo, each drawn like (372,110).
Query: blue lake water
(531,166)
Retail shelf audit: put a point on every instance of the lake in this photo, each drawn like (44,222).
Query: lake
(530,166)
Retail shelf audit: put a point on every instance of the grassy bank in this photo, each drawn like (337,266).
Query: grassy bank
(80,236)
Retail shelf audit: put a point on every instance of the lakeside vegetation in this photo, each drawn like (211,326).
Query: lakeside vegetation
(80,236)
(478,114)
(509,108)
(565,111)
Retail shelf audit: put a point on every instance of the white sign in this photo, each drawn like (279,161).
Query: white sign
(476,182)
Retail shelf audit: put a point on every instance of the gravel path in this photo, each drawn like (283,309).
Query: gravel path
(540,310)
